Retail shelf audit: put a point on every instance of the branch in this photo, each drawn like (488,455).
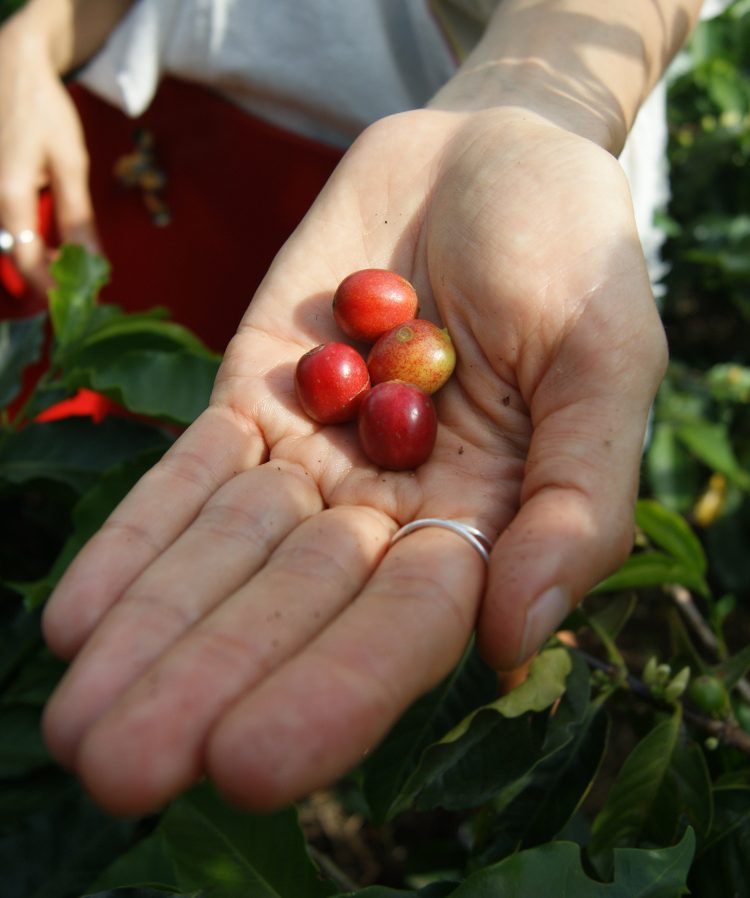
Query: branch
(726,731)
(684,601)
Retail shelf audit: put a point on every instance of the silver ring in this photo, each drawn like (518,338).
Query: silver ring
(473,536)
(8,240)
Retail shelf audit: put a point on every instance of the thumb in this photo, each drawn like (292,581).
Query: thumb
(575,524)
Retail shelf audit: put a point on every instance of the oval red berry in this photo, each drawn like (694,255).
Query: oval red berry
(397,426)
(418,352)
(331,381)
(369,302)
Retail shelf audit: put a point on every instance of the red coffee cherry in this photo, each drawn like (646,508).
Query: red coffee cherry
(418,352)
(397,426)
(369,302)
(331,381)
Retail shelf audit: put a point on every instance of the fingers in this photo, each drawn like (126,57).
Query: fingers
(158,509)
(50,150)
(18,219)
(69,173)
(319,714)
(294,677)
(575,524)
(242,524)
(148,746)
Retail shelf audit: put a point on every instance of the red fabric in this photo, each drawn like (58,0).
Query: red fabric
(236,189)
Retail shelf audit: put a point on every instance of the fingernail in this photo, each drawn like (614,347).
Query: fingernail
(544,615)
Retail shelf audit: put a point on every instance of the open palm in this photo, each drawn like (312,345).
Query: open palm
(242,613)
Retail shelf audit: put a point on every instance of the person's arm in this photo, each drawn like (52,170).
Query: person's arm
(41,143)
(67,32)
(243,613)
(582,64)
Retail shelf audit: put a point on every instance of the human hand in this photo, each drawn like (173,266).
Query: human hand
(241,613)
(41,145)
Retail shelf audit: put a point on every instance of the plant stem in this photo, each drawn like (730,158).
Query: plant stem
(726,731)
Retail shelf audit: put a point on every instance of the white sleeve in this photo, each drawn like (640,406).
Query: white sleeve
(127,71)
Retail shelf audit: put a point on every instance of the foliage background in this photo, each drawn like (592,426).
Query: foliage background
(599,767)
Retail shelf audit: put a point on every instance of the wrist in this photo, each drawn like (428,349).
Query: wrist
(35,35)
(516,86)
(584,65)
(66,33)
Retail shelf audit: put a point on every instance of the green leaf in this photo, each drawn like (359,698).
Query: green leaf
(609,615)
(75,451)
(79,276)
(436,890)
(494,745)
(127,892)
(146,864)
(626,810)
(710,442)
(673,474)
(536,807)
(20,345)
(388,769)
(171,386)
(721,867)
(686,797)
(21,746)
(648,569)
(88,515)
(57,851)
(671,532)
(555,869)
(119,325)
(218,847)
(729,382)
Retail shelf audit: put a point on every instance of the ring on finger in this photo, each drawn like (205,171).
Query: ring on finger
(471,534)
(23,237)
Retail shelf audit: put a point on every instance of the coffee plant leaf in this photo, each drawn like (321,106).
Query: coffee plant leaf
(434,890)
(652,569)
(236,852)
(75,451)
(711,444)
(685,798)
(119,326)
(69,839)
(128,892)
(387,770)
(673,473)
(88,514)
(494,745)
(721,866)
(671,532)
(556,869)
(631,800)
(537,806)
(20,346)
(79,276)
(169,386)
(147,865)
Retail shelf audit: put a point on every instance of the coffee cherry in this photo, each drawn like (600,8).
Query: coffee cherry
(397,426)
(369,302)
(709,695)
(418,352)
(331,381)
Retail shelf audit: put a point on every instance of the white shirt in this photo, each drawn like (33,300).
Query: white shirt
(328,68)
